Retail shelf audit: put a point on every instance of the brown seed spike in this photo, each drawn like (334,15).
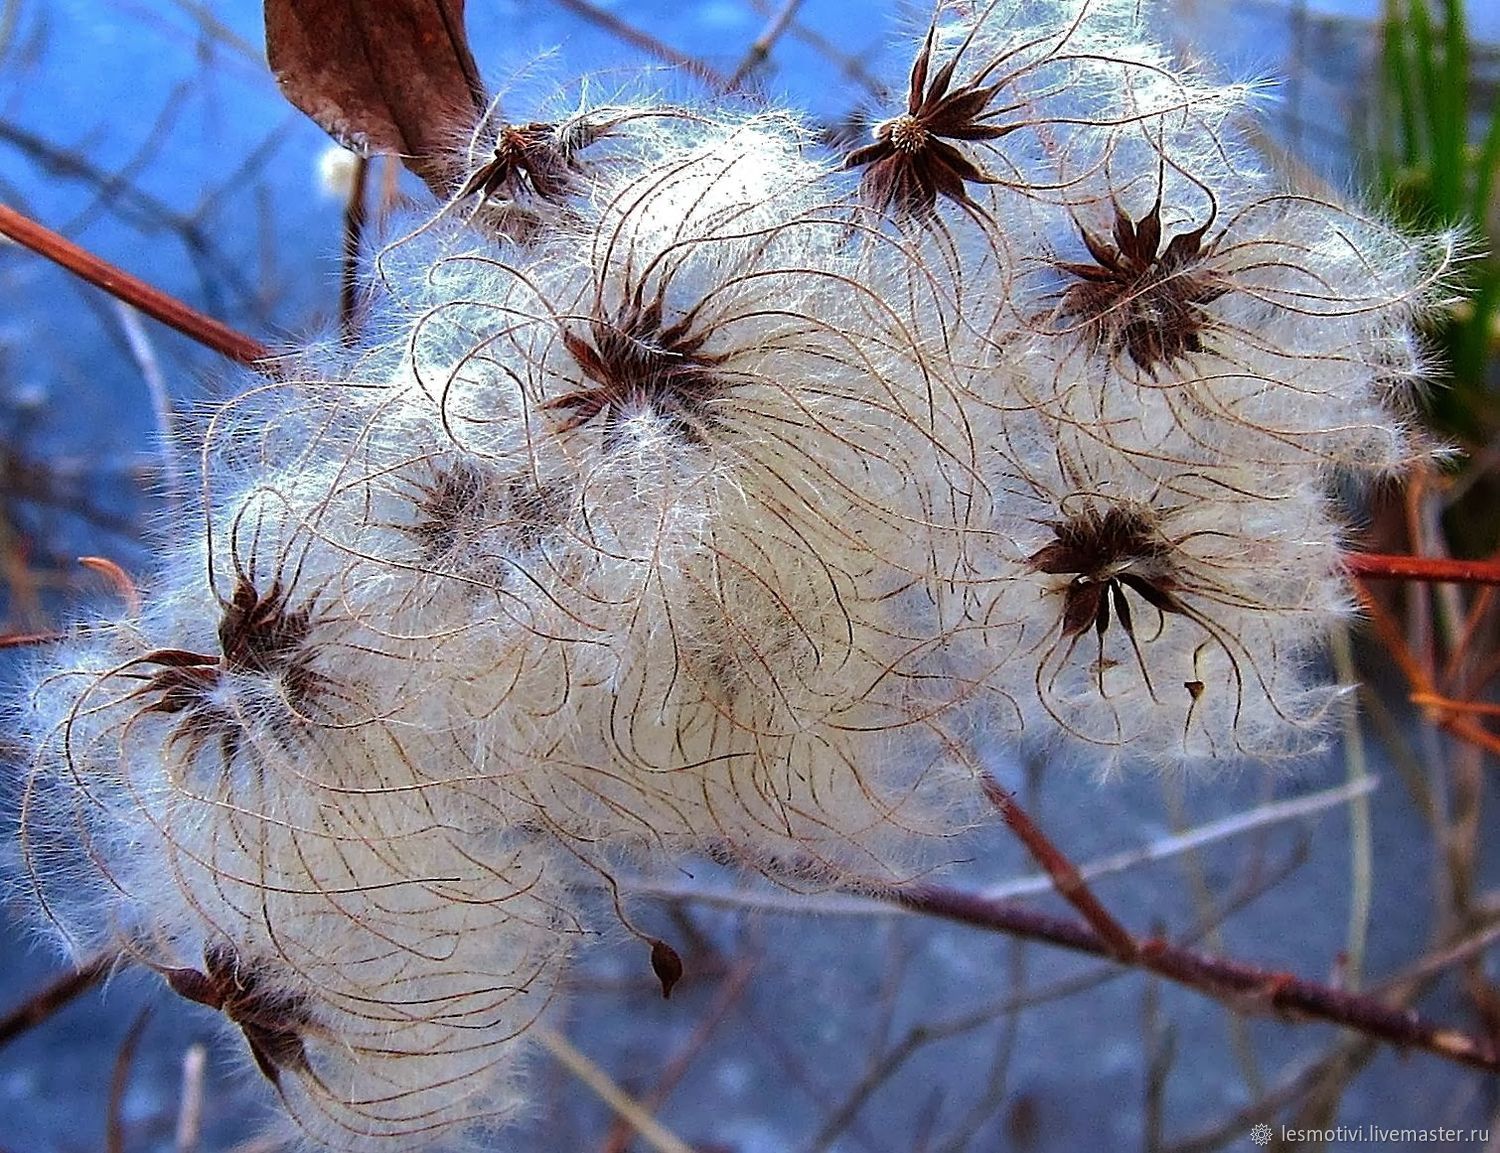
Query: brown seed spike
(274,1021)
(448,506)
(911,163)
(1107,553)
(1138,299)
(258,634)
(459,504)
(667,966)
(639,364)
(529,162)
(195,986)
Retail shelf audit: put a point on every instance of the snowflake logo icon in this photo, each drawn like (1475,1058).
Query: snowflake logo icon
(1261,1134)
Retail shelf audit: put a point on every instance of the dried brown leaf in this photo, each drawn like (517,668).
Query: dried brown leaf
(395,76)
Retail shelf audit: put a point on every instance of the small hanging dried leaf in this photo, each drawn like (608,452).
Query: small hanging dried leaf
(395,77)
(117,577)
(667,966)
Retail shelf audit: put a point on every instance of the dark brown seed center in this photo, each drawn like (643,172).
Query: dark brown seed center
(906,134)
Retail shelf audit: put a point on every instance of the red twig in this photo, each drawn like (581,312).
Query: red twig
(133,291)
(1245,986)
(20,640)
(1381,566)
(118,578)
(1418,677)
(1065,876)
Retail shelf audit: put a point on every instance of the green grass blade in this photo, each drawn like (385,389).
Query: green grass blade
(1434,108)
(1486,163)
(1450,150)
(1398,90)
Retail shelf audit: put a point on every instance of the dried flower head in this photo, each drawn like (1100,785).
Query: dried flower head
(470,520)
(1141,298)
(1105,553)
(273,1020)
(1273,334)
(529,161)
(528,179)
(915,158)
(640,365)
(1161,618)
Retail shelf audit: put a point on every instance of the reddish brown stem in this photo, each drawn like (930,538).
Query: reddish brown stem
(1244,986)
(1065,876)
(53,996)
(1417,676)
(118,578)
(1381,566)
(20,640)
(1449,705)
(133,291)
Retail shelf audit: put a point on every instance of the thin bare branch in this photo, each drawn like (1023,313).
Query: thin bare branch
(119,1082)
(1246,986)
(646,43)
(1162,849)
(651,1130)
(1065,875)
(190,1103)
(132,290)
(728,995)
(354,230)
(54,995)
(760,51)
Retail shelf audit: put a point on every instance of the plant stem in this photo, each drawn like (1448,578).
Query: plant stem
(133,291)
(1247,987)
(54,995)
(1380,566)
(1066,878)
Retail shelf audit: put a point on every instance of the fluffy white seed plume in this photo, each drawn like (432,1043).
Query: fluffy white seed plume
(522,180)
(1014,101)
(251,810)
(1167,619)
(720,405)
(1277,334)
(680,502)
(1156,335)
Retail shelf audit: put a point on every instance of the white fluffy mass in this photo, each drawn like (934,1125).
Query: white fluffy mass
(701,491)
